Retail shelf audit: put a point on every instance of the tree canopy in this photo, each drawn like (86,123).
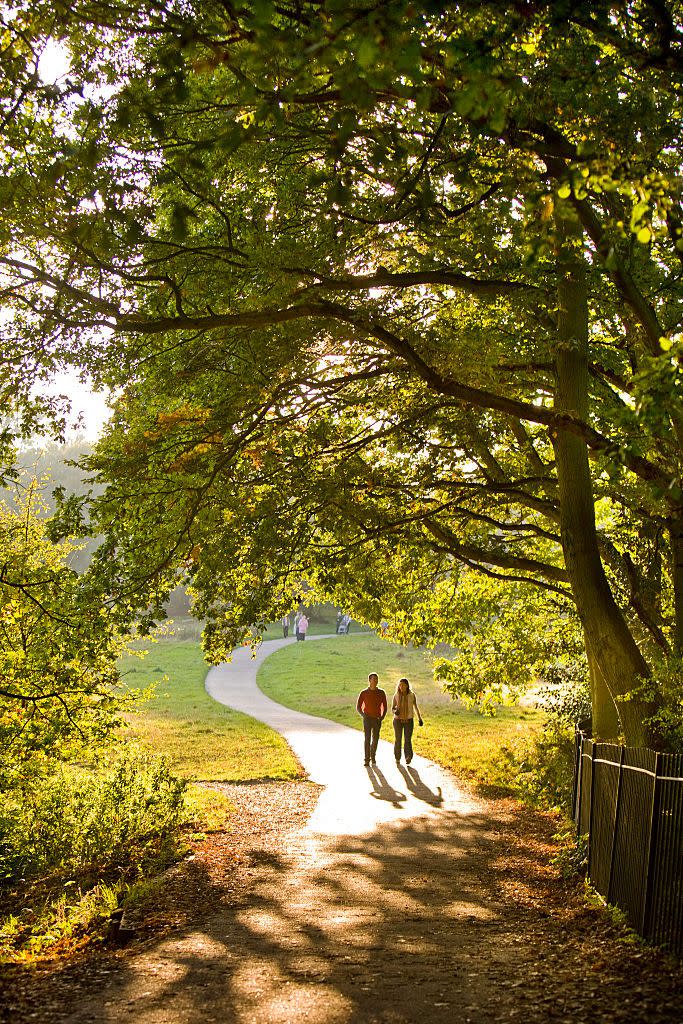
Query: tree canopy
(389,295)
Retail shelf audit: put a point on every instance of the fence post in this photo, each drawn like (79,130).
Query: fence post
(576,795)
(615,829)
(651,851)
(590,812)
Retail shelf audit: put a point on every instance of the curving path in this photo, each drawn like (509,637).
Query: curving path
(355,799)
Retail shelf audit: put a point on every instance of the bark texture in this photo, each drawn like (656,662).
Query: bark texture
(606,724)
(676,536)
(617,660)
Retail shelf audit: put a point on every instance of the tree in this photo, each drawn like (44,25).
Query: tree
(388,291)
(59,684)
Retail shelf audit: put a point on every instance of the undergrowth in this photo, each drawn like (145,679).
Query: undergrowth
(80,841)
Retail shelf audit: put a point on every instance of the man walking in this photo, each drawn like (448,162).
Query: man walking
(372,705)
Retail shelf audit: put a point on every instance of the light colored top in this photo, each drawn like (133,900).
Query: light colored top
(404,705)
(303,624)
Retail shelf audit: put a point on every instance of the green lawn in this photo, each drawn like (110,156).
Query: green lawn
(204,740)
(325,677)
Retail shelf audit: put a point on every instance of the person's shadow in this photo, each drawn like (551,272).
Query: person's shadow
(419,789)
(382,790)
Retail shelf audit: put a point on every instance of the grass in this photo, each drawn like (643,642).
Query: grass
(325,678)
(203,740)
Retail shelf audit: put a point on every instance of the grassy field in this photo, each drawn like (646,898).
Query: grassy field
(203,740)
(325,678)
(187,628)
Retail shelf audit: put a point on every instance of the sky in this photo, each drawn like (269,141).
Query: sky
(87,405)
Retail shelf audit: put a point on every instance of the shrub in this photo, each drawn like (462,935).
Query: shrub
(122,811)
(545,769)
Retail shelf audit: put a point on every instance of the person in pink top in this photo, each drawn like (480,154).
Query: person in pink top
(302,628)
(372,705)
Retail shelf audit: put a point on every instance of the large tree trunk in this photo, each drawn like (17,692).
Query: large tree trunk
(605,717)
(676,537)
(617,660)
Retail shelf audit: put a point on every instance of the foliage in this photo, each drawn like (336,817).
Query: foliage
(73,915)
(52,468)
(669,718)
(59,641)
(120,811)
(568,702)
(544,768)
(572,857)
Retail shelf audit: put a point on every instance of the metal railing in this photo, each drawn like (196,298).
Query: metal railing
(629,802)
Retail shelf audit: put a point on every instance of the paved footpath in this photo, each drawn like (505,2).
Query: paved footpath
(403,901)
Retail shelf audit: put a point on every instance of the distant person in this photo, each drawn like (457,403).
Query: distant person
(346,624)
(285,626)
(302,628)
(338,622)
(404,707)
(372,705)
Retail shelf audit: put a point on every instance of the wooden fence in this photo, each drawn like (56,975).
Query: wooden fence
(629,802)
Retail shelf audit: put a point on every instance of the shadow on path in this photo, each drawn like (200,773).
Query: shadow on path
(415,922)
(418,788)
(382,789)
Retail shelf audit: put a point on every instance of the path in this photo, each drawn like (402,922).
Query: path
(402,901)
(355,799)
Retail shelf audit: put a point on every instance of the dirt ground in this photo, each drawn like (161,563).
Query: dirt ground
(459,919)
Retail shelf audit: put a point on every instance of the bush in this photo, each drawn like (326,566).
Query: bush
(545,771)
(123,811)
(544,767)
(566,696)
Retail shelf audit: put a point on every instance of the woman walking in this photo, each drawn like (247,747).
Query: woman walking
(302,628)
(404,706)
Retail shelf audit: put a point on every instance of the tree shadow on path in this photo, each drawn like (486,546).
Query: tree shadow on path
(416,922)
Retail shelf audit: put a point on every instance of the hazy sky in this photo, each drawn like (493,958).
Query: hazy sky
(89,405)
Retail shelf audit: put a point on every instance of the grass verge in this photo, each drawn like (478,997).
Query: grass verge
(203,740)
(57,912)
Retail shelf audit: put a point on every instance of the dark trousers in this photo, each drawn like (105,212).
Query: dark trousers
(403,731)
(285,631)
(371,727)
